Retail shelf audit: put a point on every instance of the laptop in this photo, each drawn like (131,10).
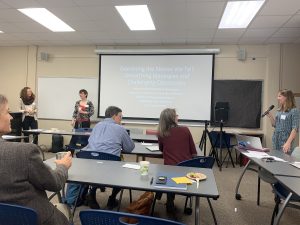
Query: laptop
(250,143)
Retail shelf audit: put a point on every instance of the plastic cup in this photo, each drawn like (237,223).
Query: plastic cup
(144,167)
(60,155)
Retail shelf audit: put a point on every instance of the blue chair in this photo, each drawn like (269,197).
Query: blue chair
(102,156)
(78,139)
(201,162)
(101,217)
(282,193)
(15,214)
(215,140)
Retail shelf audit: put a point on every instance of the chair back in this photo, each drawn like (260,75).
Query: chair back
(97,155)
(151,132)
(83,140)
(296,153)
(213,135)
(103,217)
(201,162)
(15,214)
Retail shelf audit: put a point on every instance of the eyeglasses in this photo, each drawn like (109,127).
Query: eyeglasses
(121,116)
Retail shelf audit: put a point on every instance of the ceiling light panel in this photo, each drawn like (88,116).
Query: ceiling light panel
(239,14)
(137,17)
(47,19)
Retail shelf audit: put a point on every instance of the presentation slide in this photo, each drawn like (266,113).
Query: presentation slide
(144,85)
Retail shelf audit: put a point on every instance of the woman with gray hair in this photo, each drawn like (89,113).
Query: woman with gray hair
(175,142)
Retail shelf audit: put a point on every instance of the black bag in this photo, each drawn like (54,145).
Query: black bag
(57,143)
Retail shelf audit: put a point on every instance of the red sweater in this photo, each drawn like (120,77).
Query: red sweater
(178,147)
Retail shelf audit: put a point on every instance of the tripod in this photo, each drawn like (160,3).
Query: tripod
(203,138)
(214,152)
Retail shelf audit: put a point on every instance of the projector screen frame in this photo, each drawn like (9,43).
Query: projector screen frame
(155,120)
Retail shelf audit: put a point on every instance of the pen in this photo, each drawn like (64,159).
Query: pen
(151,181)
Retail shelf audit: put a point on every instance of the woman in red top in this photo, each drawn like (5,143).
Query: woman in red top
(175,142)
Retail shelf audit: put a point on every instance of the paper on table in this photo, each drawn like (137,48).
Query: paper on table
(131,166)
(146,144)
(7,136)
(181,180)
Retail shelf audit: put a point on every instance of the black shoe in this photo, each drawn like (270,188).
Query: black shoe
(102,189)
(93,204)
(112,203)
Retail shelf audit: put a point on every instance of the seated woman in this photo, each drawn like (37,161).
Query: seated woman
(175,142)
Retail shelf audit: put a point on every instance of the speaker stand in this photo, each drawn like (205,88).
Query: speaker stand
(203,138)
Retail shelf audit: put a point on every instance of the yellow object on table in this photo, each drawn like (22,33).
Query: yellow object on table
(182,180)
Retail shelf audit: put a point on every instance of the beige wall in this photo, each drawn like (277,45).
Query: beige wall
(20,66)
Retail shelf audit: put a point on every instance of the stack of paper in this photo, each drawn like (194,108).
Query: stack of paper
(182,180)
(153,148)
(131,166)
(253,154)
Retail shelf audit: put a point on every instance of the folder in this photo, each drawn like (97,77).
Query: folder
(171,184)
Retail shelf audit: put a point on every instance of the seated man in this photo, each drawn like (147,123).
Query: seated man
(109,137)
(25,177)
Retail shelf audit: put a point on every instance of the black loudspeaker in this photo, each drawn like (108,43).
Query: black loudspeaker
(57,143)
(221,112)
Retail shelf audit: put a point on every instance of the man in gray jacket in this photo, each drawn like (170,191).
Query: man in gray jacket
(25,177)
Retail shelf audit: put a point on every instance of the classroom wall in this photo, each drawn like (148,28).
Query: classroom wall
(20,66)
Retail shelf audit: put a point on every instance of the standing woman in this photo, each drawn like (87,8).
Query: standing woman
(29,108)
(175,142)
(83,111)
(286,122)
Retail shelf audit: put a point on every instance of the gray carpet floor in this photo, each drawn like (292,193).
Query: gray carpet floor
(247,211)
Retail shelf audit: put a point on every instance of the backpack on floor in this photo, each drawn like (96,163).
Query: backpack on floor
(72,192)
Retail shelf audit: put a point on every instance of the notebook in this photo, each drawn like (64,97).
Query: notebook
(250,143)
(295,164)
(171,184)
(153,148)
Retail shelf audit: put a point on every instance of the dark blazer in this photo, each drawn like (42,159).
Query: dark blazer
(25,177)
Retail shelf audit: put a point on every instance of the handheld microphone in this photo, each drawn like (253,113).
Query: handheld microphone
(269,109)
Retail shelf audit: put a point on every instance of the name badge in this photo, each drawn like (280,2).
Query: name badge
(33,103)
(283,117)
(86,106)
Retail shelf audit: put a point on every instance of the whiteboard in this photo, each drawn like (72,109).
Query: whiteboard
(57,96)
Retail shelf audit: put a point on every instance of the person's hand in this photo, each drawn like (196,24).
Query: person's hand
(286,147)
(80,111)
(67,160)
(30,112)
(268,114)
(72,123)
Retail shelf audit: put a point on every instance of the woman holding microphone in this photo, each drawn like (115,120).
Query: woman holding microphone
(286,122)
(83,111)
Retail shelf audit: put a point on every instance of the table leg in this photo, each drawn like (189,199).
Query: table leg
(237,195)
(286,202)
(197,211)
(258,188)
(63,194)
(34,137)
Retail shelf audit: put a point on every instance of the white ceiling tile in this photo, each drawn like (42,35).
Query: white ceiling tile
(13,15)
(209,0)
(17,4)
(20,43)
(280,7)
(173,34)
(126,42)
(260,33)
(167,11)
(103,42)
(296,41)
(199,41)
(203,23)
(150,42)
(171,24)
(131,2)
(56,3)
(71,36)
(91,2)
(175,41)
(26,36)
(41,43)
(252,41)
(4,43)
(164,1)
(8,27)
(101,13)
(269,21)
(229,33)
(84,25)
(32,27)
(146,34)
(7,37)
(113,25)
(61,43)
(293,22)
(120,35)
(69,14)
(205,9)
(280,40)
(82,42)
(4,6)
(224,41)
(50,36)
(287,32)
(96,35)
(192,34)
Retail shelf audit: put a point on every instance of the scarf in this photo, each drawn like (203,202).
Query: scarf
(28,101)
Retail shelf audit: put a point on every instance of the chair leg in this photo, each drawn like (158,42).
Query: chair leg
(212,211)
(120,199)
(137,158)
(275,211)
(130,196)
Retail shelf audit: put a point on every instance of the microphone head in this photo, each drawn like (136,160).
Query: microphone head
(271,107)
